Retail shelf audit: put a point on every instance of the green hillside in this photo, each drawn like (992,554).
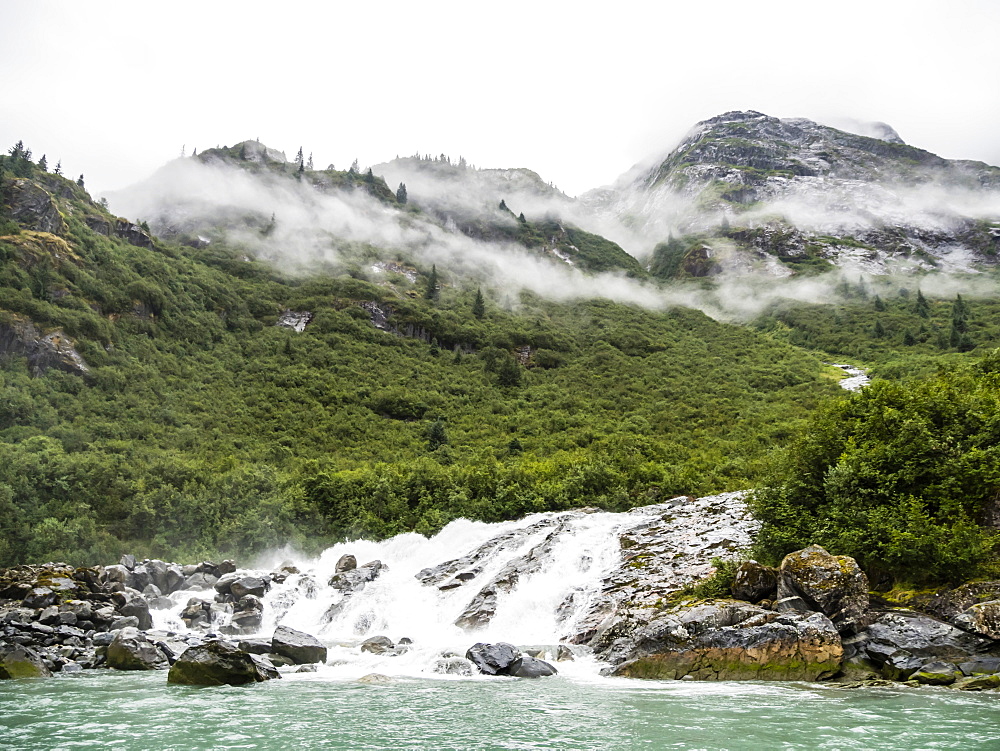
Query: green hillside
(201,427)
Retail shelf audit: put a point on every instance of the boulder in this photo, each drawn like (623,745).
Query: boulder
(225,583)
(937,673)
(530,667)
(492,659)
(832,584)
(982,618)
(754,582)
(921,636)
(346,562)
(981,666)
(377,645)
(729,640)
(297,646)
(216,663)
(131,603)
(354,580)
(200,580)
(375,679)
(131,650)
(22,662)
(249,585)
(40,597)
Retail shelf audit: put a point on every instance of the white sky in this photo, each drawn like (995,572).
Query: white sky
(576,91)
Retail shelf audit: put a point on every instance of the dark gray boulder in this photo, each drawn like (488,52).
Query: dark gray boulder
(40,597)
(492,659)
(530,667)
(937,673)
(249,585)
(131,650)
(354,580)
(132,603)
(216,663)
(832,584)
(982,618)
(297,646)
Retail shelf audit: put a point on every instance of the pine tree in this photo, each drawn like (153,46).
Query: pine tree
(432,284)
(309,164)
(521,219)
(401,194)
(908,339)
(503,205)
(58,168)
(922,307)
(509,373)
(43,165)
(436,435)
(879,305)
(79,181)
(479,305)
(298,157)
(878,330)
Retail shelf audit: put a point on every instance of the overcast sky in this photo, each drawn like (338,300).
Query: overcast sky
(576,91)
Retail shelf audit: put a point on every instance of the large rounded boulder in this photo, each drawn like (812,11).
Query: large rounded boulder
(217,663)
(832,584)
(130,650)
(21,662)
(297,646)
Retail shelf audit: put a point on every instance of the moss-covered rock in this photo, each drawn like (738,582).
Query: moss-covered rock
(22,662)
(730,640)
(832,584)
(216,663)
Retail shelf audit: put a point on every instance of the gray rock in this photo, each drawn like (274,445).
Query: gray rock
(135,605)
(530,667)
(728,640)
(200,580)
(217,663)
(754,582)
(982,618)
(377,645)
(453,666)
(40,597)
(129,621)
(22,662)
(833,585)
(938,673)
(981,666)
(492,659)
(297,646)
(346,562)
(375,679)
(131,650)
(977,683)
(249,585)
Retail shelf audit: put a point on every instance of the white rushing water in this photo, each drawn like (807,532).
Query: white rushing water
(556,555)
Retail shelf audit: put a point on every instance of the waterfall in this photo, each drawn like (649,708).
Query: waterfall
(538,582)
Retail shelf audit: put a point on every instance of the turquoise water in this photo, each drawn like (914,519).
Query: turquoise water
(110,710)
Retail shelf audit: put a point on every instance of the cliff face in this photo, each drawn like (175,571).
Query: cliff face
(20,337)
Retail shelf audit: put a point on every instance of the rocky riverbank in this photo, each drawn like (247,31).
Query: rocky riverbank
(644,610)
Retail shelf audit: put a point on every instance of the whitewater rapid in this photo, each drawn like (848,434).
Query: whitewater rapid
(578,550)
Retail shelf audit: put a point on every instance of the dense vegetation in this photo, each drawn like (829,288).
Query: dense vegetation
(898,476)
(203,428)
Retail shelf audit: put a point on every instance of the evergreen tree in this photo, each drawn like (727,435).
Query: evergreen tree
(521,219)
(879,305)
(922,307)
(298,157)
(436,435)
(509,372)
(369,177)
(724,224)
(354,167)
(432,284)
(479,305)
(908,339)
(58,169)
(309,164)
(43,165)
(79,181)
(878,330)
(959,315)
(503,205)
(401,194)
(243,152)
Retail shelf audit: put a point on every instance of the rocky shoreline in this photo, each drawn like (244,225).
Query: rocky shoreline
(811,619)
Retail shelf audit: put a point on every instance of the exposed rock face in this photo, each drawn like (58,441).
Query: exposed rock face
(216,663)
(297,646)
(671,545)
(296,320)
(729,640)
(53,350)
(132,233)
(33,207)
(352,580)
(131,650)
(834,585)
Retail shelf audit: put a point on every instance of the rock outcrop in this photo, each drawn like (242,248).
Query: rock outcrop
(729,640)
(33,207)
(131,650)
(20,337)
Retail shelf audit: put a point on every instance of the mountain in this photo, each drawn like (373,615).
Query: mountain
(747,192)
